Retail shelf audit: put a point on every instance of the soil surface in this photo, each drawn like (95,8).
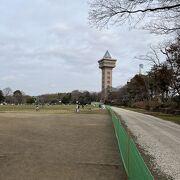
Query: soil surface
(58,147)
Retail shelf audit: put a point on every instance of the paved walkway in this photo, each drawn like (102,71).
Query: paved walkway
(58,147)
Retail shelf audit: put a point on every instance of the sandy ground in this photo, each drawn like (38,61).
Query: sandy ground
(58,147)
(159,138)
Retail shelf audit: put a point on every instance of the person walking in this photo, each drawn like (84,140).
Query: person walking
(77,107)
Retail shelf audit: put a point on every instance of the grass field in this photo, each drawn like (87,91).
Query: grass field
(168,117)
(60,109)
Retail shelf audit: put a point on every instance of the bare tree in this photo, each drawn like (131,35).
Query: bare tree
(7,91)
(18,96)
(166,56)
(172,53)
(164,14)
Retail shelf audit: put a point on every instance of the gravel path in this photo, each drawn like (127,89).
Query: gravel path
(161,139)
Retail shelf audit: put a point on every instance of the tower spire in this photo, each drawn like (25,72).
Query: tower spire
(107,55)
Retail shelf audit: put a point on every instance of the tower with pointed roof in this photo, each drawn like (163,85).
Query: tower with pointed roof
(107,63)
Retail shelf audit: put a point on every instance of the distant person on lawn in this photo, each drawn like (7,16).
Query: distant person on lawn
(37,108)
(77,108)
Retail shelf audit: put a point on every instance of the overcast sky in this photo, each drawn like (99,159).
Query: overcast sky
(47,46)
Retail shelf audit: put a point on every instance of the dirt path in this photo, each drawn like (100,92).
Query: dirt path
(161,139)
(58,147)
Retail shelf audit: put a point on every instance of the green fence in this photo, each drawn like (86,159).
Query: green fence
(134,165)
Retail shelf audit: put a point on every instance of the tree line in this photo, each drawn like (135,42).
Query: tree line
(7,96)
(159,87)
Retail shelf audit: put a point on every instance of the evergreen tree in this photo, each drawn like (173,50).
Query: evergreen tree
(2,98)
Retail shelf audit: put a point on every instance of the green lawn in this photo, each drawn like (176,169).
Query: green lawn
(49,109)
(168,117)
(173,118)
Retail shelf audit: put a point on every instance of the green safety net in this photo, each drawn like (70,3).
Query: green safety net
(134,164)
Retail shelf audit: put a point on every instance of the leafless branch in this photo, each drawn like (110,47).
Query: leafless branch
(167,12)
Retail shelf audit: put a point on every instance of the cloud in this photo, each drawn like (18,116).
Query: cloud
(47,46)
(8,78)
